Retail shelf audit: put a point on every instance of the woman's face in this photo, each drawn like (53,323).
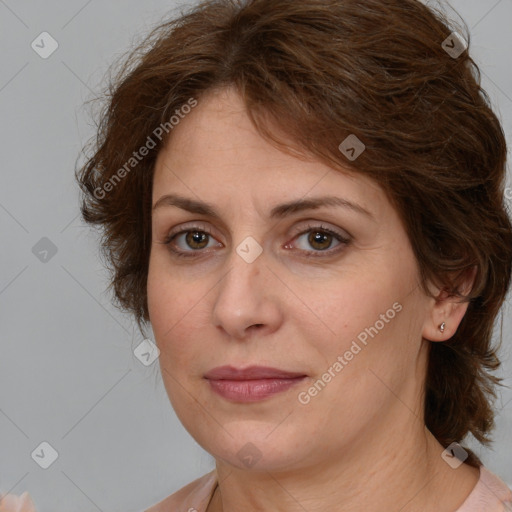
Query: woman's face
(329,293)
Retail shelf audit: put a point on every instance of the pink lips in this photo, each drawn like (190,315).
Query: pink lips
(251,384)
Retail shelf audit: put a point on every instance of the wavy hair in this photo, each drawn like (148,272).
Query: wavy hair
(321,70)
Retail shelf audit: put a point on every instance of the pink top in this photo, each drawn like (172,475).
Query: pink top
(490,494)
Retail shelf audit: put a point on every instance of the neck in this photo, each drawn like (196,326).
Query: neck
(401,470)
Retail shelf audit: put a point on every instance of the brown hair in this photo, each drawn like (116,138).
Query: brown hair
(322,70)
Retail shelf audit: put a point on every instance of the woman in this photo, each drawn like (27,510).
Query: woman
(305,200)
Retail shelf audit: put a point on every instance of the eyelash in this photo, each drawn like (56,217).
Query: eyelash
(344,241)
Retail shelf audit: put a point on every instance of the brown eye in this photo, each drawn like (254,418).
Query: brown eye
(320,240)
(191,242)
(196,239)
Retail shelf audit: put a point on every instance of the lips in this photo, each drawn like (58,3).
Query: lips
(251,384)
(250,373)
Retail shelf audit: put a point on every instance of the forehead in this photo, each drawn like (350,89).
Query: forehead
(218,131)
(215,149)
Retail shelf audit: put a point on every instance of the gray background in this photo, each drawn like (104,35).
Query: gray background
(68,375)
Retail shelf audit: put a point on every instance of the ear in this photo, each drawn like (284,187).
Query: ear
(447,311)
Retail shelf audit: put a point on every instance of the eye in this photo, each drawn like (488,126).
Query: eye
(321,240)
(191,241)
(186,242)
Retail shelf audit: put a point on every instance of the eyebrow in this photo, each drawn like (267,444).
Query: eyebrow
(278,212)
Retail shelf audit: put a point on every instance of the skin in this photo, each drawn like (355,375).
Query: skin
(360,443)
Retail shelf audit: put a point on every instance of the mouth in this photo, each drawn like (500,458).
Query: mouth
(251,384)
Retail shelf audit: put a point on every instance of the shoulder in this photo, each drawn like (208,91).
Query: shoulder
(194,497)
(490,494)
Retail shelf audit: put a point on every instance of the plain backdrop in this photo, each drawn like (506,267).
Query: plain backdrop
(68,373)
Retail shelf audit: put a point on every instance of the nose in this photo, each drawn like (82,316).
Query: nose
(247,299)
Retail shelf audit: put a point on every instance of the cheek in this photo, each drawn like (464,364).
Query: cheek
(368,318)
(169,298)
(176,310)
(347,305)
